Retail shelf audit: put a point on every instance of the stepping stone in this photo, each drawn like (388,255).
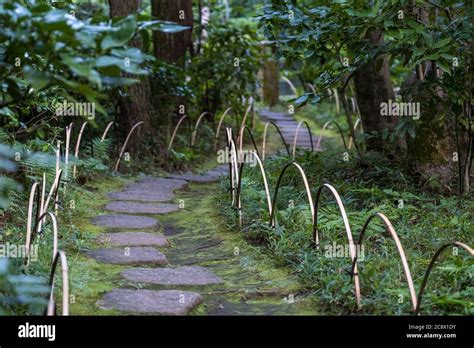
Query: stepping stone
(274,116)
(165,302)
(125,221)
(169,184)
(216,174)
(289,127)
(129,256)
(222,168)
(134,239)
(187,275)
(141,208)
(143,195)
(196,178)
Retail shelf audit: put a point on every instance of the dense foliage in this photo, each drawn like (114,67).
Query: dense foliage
(423,222)
(427,48)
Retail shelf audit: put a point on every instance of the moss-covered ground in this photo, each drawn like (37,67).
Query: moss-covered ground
(253,283)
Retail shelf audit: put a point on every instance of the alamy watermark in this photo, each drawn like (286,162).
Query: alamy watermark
(66,108)
(335,250)
(244,156)
(9,250)
(393,108)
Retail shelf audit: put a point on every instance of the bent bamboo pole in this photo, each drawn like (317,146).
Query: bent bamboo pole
(43,193)
(53,192)
(235,169)
(244,120)
(76,150)
(401,253)
(31,234)
(354,105)
(66,149)
(229,161)
(241,141)
(216,138)
(193,137)
(184,117)
(291,85)
(125,144)
(265,131)
(351,141)
(311,88)
(347,227)
(275,195)
(60,255)
(296,137)
(29,221)
(324,128)
(336,100)
(106,131)
(265,183)
(431,265)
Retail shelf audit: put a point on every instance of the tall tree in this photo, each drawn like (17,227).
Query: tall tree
(373,87)
(442,148)
(172,47)
(136,105)
(271,79)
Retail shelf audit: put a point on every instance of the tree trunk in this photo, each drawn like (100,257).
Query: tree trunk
(433,153)
(440,151)
(136,105)
(271,80)
(373,87)
(172,47)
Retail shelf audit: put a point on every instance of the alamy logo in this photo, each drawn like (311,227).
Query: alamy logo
(400,109)
(10,250)
(76,109)
(226,156)
(37,331)
(335,250)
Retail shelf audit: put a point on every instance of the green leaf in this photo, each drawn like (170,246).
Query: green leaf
(444,66)
(134,54)
(124,31)
(37,79)
(163,26)
(82,68)
(428,38)
(108,61)
(441,43)
(119,81)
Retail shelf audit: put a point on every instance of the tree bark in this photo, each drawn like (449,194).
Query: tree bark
(136,105)
(440,151)
(172,47)
(270,82)
(373,87)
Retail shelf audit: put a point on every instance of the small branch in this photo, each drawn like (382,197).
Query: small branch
(343,88)
(445,9)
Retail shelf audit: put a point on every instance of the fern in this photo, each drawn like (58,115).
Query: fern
(101,149)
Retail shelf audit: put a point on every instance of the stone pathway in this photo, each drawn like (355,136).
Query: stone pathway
(186,275)
(141,208)
(164,302)
(138,248)
(211,176)
(288,125)
(174,278)
(125,221)
(134,239)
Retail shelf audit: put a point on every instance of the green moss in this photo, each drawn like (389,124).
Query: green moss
(252,282)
